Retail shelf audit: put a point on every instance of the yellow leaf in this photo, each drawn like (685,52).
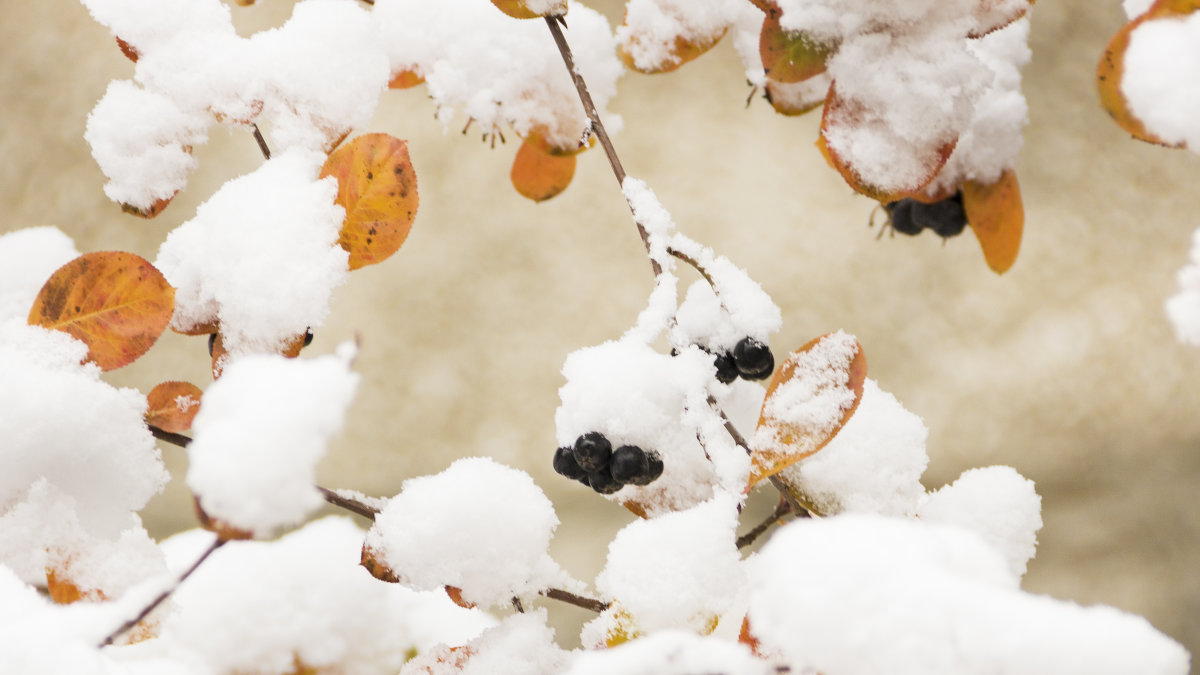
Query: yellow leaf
(115,302)
(378,189)
(519,9)
(538,174)
(173,405)
(996,215)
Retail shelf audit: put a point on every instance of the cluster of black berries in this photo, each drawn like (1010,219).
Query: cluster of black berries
(593,462)
(946,218)
(750,359)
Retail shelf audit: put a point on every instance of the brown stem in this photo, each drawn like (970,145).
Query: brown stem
(597,126)
(516,603)
(125,627)
(352,505)
(262,142)
(800,509)
(784,508)
(169,437)
(577,600)
(695,265)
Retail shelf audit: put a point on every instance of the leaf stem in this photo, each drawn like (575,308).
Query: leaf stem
(577,600)
(169,437)
(589,108)
(125,627)
(695,265)
(352,505)
(262,142)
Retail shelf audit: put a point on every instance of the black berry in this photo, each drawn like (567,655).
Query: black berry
(565,464)
(753,359)
(308,337)
(654,469)
(726,368)
(212,342)
(900,213)
(947,217)
(592,451)
(602,481)
(628,462)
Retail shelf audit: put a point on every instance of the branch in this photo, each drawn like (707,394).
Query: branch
(695,265)
(170,437)
(597,126)
(352,505)
(125,627)
(784,508)
(577,600)
(262,142)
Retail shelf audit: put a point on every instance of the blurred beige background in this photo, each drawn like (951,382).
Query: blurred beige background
(1064,368)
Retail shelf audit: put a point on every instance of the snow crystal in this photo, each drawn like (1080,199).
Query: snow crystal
(259,435)
(27,259)
(63,424)
(142,142)
(637,396)
(1162,69)
(260,256)
(814,398)
(873,464)
(671,652)
(652,28)
(496,70)
(679,570)
(996,503)
(479,526)
(299,602)
(859,594)
(1183,308)
(148,25)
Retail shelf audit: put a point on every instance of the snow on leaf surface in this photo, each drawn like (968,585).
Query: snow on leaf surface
(671,652)
(173,405)
(660,35)
(259,435)
(479,526)
(865,594)
(27,259)
(1162,69)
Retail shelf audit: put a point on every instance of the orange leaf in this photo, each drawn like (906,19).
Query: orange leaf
(378,189)
(405,79)
(378,569)
(808,401)
(683,49)
(128,50)
(206,328)
(223,530)
(791,56)
(173,405)
(518,9)
(64,591)
(995,23)
(540,175)
(115,302)
(455,595)
(997,217)
(149,212)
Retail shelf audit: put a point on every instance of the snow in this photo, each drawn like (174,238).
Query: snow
(998,504)
(260,256)
(873,464)
(1135,8)
(27,259)
(522,644)
(860,594)
(259,435)
(302,601)
(679,570)
(651,28)
(497,71)
(1183,308)
(1162,68)
(479,526)
(671,652)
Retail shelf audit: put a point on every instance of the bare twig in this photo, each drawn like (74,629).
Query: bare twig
(352,505)
(169,436)
(601,133)
(125,627)
(695,265)
(784,508)
(262,142)
(516,603)
(577,600)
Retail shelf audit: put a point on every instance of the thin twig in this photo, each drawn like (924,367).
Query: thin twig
(695,265)
(799,508)
(125,627)
(516,603)
(601,133)
(352,505)
(169,436)
(262,142)
(577,600)
(784,508)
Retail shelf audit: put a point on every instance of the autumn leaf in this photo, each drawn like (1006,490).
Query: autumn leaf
(989,21)
(173,405)
(223,530)
(455,595)
(378,569)
(538,174)
(115,302)
(405,79)
(796,98)
(997,216)
(682,50)
(791,56)
(378,189)
(148,211)
(64,591)
(808,401)
(519,9)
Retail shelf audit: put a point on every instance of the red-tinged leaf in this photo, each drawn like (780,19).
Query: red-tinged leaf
(810,398)
(992,16)
(797,98)
(147,212)
(115,302)
(405,79)
(128,50)
(378,569)
(540,175)
(378,189)
(455,595)
(791,56)
(173,405)
(519,9)
(997,217)
(223,530)
(846,117)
